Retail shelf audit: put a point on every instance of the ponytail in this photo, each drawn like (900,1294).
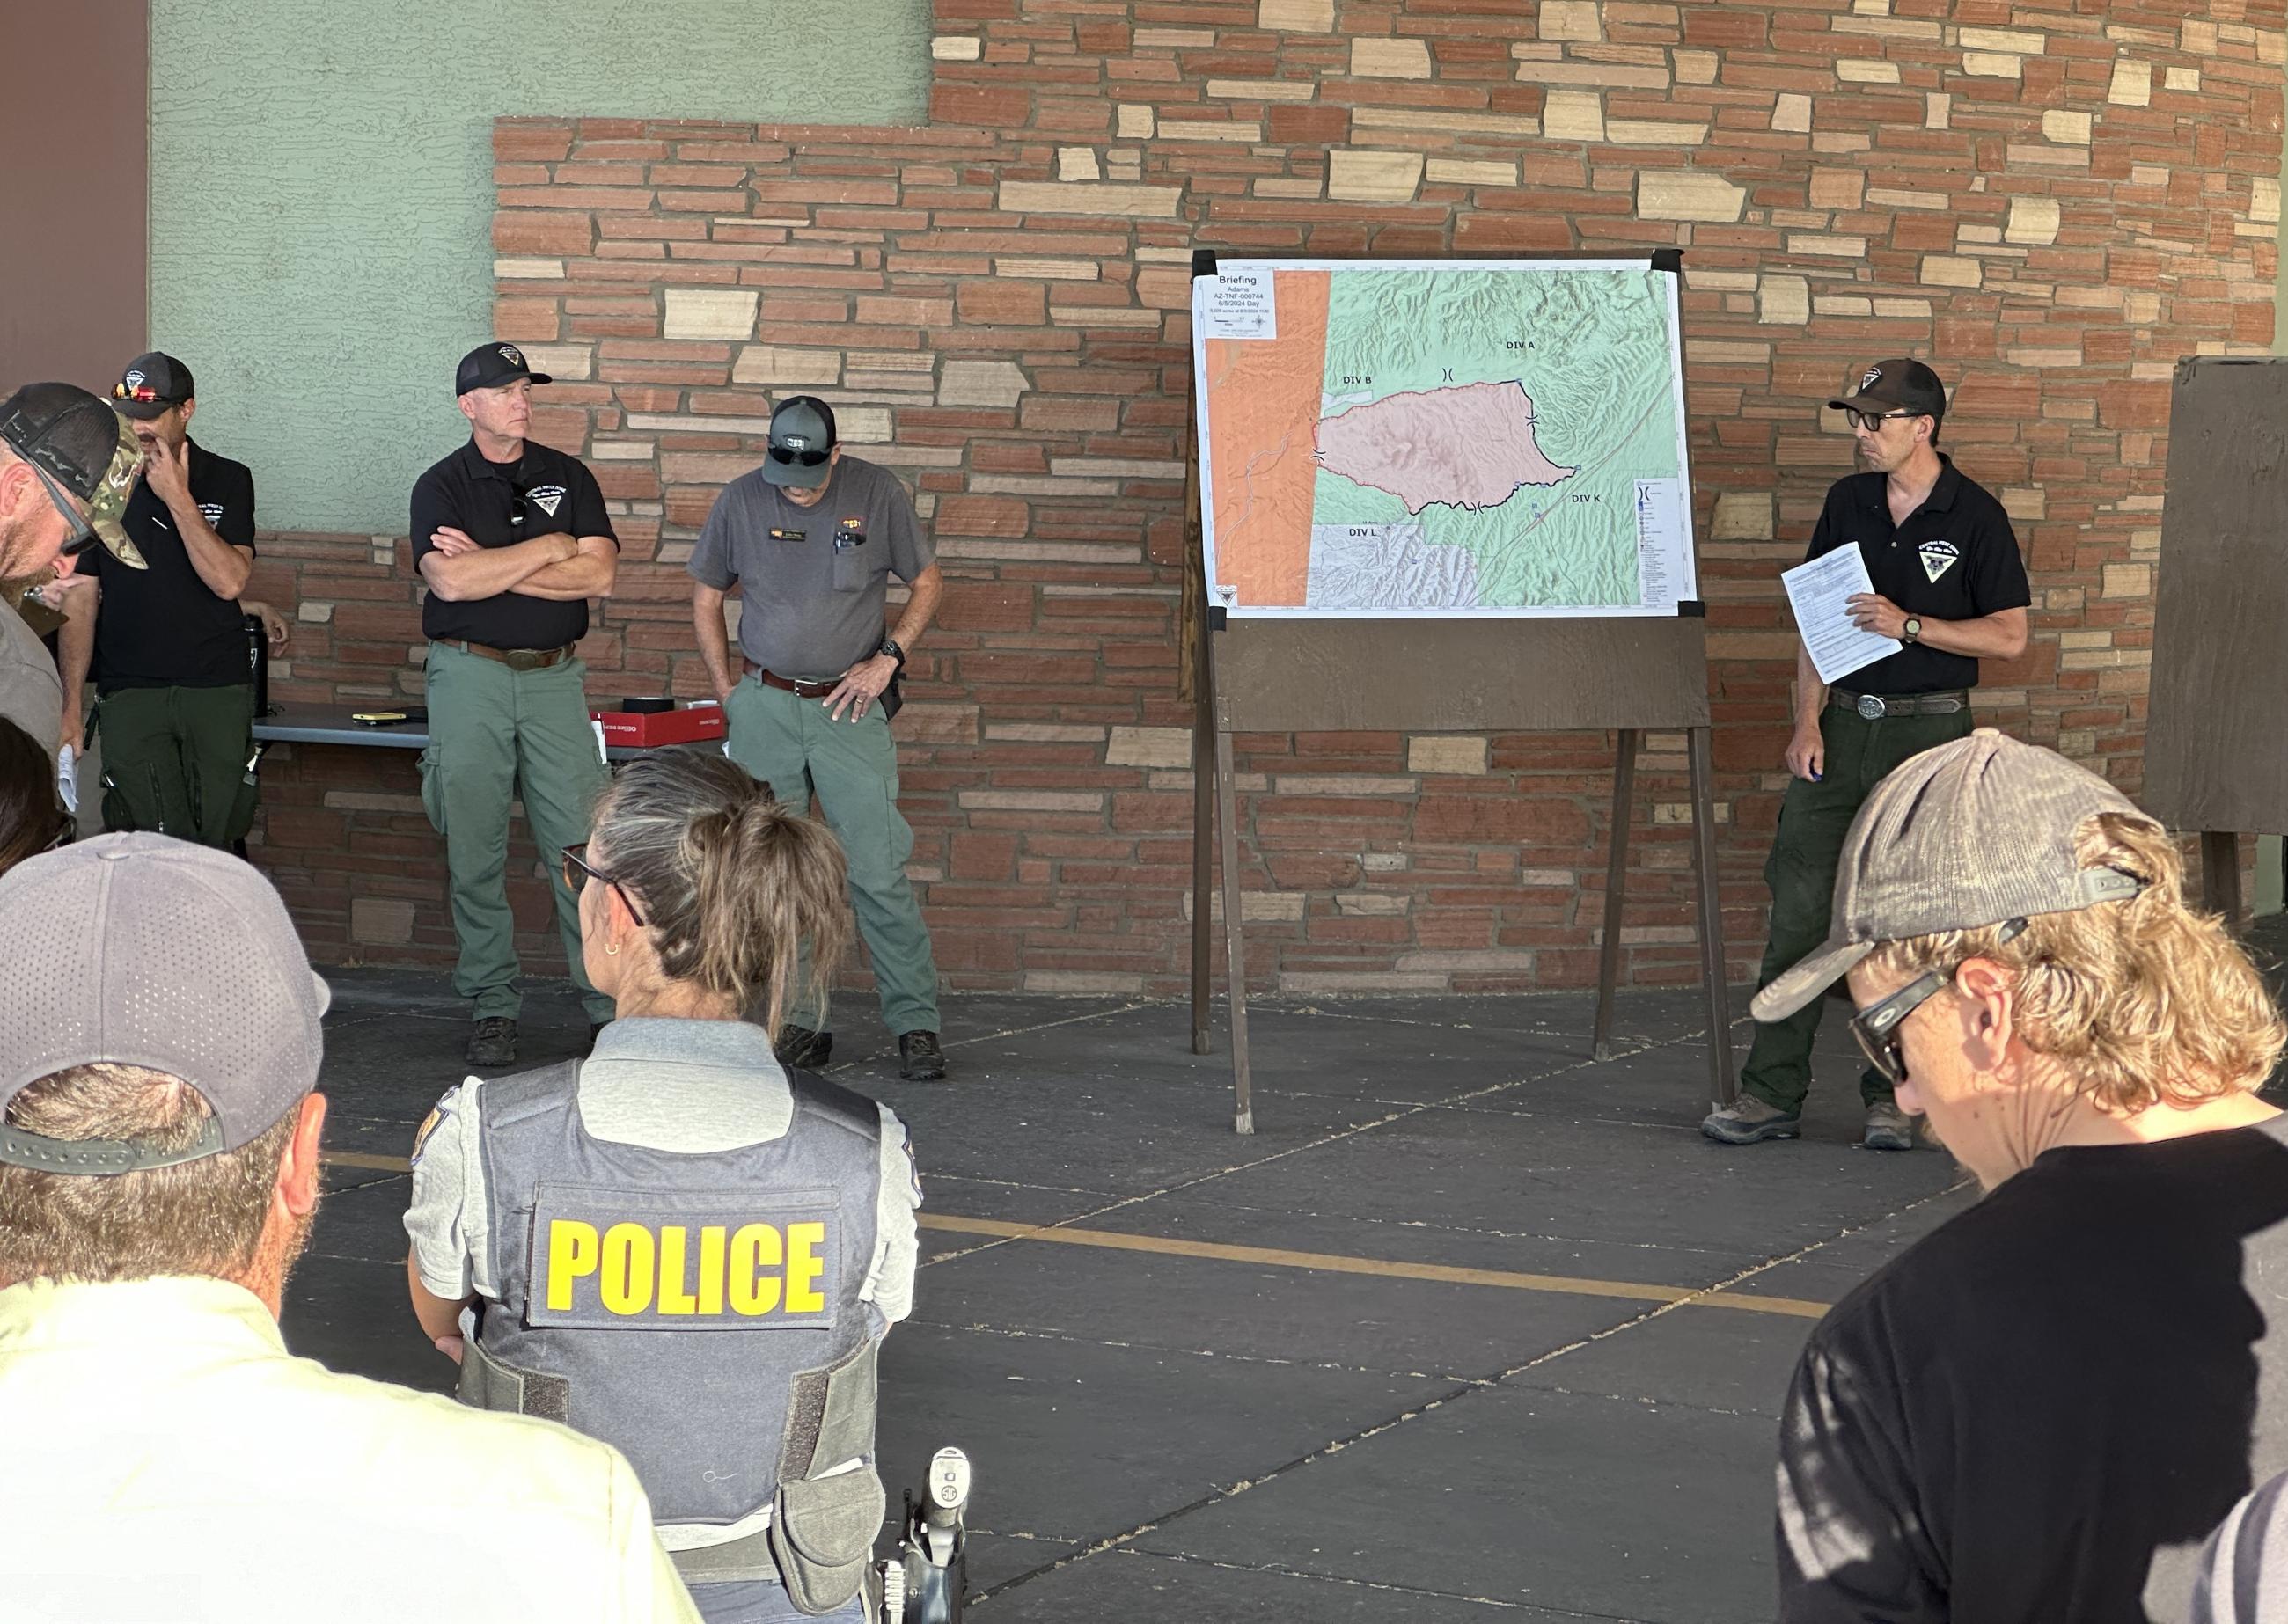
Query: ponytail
(732,884)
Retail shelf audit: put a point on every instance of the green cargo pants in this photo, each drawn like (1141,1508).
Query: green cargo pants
(176,761)
(496,734)
(1806,850)
(795,747)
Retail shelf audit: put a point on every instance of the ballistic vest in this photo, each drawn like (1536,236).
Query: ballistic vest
(699,1312)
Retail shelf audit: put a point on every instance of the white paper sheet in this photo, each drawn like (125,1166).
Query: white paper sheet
(1237,304)
(1817,591)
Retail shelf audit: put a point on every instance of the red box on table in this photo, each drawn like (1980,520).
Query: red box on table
(641,729)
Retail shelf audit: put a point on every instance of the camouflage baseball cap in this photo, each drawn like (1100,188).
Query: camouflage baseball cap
(75,440)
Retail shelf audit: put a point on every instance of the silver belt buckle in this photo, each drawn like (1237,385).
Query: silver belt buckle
(1870,707)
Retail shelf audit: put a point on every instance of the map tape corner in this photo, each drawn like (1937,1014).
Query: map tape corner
(1203,262)
(1668,259)
(1692,607)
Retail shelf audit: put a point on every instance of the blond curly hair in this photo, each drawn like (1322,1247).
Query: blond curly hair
(2145,1003)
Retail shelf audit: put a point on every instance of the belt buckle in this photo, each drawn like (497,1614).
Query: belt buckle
(1870,707)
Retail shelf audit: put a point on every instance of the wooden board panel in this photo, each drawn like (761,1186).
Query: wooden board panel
(2213,756)
(1461,676)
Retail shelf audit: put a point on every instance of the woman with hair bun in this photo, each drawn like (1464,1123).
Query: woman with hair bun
(677,1246)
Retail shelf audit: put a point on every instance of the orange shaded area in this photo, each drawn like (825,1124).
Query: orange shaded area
(1263,417)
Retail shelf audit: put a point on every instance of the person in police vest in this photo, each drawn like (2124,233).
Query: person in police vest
(677,1246)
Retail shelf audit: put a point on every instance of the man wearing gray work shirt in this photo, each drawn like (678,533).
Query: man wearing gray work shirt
(812,538)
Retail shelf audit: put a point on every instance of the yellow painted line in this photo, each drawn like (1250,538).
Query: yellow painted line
(1335,1262)
(359,1159)
(1325,1263)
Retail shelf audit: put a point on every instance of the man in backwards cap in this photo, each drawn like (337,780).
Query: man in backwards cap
(2041,1409)
(159,1047)
(1950,587)
(67,463)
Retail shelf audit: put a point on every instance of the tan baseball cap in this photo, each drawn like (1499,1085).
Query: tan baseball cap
(143,951)
(1978,832)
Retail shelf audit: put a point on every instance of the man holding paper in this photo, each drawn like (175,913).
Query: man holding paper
(1937,585)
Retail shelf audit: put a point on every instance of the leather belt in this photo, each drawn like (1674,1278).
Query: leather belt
(515,659)
(801,687)
(1872,706)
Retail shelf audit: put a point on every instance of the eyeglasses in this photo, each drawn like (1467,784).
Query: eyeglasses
(83,534)
(1876,1027)
(517,510)
(1873,421)
(807,459)
(579,871)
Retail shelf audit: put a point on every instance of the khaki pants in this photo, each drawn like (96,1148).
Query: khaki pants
(496,735)
(796,747)
(178,761)
(1806,851)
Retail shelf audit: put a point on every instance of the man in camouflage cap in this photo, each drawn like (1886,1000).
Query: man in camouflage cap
(68,463)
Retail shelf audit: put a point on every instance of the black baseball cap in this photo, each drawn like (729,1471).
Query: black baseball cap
(80,443)
(152,383)
(1897,385)
(489,366)
(802,443)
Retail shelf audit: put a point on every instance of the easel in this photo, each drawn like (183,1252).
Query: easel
(2213,761)
(1627,675)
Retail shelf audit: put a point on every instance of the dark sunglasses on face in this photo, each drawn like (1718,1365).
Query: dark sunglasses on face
(579,871)
(83,536)
(807,459)
(1876,1027)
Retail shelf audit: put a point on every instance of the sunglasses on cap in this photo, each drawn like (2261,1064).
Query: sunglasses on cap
(143,394)
(806,459)
(1876,1027)
(579,871)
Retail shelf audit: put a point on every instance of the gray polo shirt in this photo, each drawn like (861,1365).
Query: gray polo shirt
(31,694)
(814,580)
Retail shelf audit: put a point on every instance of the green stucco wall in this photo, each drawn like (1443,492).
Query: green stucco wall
(321,194)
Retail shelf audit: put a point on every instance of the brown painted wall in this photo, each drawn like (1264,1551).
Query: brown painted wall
(74,256)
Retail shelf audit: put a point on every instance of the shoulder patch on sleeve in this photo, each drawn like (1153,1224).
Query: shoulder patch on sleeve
(444,1109)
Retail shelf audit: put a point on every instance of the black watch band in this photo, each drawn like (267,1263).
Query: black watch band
(890,647)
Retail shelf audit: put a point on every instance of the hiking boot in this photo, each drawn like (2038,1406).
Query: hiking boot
(919,1058)
(1889,1129)
(1748,1120)
(492,1041)
(801,1046)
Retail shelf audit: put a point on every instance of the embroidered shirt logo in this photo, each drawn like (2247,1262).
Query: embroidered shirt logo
(547,498)
(211,512)
(1938,558)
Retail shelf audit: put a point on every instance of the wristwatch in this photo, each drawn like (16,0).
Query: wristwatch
(890,647)
(1912,631)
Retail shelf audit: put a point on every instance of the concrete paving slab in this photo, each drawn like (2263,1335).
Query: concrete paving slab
(1735,1364)
(1074,1440)
(1269,1315)
(1132,1585)
(1549,1500)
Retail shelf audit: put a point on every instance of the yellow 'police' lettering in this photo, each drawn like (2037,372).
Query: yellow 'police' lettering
(754,1249)
(710,1268)
(625,1283)
(803,1267)
(674,1297)
(571,1253)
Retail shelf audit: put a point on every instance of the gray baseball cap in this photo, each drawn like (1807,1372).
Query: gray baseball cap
(143,951)
(802,436)
(1978,832)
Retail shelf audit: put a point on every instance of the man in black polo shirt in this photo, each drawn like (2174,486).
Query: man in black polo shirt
(512,540)
(1949,585)
(174,695)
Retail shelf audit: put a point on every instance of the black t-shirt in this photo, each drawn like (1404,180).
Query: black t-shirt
(480,499)
(164,627)
(2067,1385)
(1955,559)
